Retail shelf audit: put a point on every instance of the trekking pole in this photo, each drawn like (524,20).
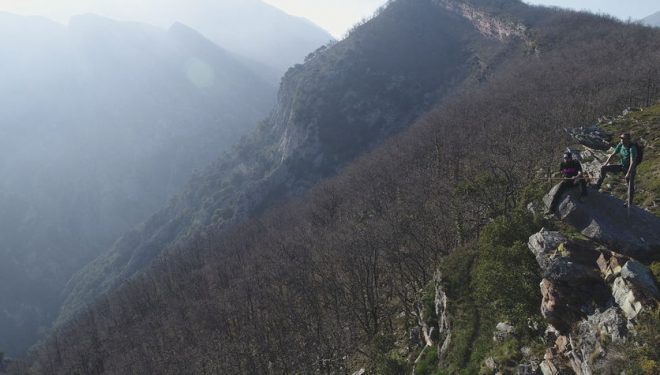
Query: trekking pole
(586,178)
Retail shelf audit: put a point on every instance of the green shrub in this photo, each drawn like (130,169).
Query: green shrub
(493,280)
(428,363)
(384,358)
(655,269)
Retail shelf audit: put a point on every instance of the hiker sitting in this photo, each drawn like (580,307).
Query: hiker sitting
(628,154)
(571,171)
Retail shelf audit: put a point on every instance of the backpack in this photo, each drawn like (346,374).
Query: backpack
(640,153)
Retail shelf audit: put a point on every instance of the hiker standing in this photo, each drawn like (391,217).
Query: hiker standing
(571,171)
(628,156)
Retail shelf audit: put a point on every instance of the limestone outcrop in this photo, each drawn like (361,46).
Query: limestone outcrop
(595,286)
(605,219)
(591,296)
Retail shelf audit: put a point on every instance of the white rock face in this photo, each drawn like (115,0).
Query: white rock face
(625,298)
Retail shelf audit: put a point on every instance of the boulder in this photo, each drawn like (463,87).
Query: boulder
(555,307)
(610,265)
(490,364)
(592,162)
(592,137)
(625,297)
(632,232)
(641,279)
(503,331)
(548,368)
(544,245)
(555,358)
(587,340)
(564,270)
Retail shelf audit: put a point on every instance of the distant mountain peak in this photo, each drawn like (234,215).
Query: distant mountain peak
(186,32)
(652,20)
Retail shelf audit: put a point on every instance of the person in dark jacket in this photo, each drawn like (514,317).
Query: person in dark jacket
(571,171)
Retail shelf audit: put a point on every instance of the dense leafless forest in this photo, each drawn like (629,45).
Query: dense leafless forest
(310,285)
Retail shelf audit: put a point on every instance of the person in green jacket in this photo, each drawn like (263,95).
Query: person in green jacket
(627,153)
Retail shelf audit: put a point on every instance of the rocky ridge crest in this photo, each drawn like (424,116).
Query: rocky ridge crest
(598,266)
(595,283)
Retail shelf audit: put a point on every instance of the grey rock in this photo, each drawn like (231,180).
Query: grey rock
(589,336)
(610,265)
(544,244)
(640,277)
(592,162)
(503,331)
(564,260)
(592,137)
(566,303)
(444,328)
(548,368)
(565,270)
(625,297)
(360,372)
(557,307)
(604,219)
(490,363)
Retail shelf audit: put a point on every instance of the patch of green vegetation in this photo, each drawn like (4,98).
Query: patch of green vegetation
(655,269)
(643,355)
(644,127)
(428,363)
(506,354)
(385,358)
(493,280)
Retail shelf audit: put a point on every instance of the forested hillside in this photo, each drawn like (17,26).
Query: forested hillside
(337,280)
(101,123)
(343,101)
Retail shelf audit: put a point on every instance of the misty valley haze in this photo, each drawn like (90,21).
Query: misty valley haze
(259,33)
(101,122)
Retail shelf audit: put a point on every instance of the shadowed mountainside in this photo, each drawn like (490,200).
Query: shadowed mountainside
(343,101)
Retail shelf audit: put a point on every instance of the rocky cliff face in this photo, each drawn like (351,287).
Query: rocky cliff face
(488,24)
(599,295)
(597,283)
(592,297)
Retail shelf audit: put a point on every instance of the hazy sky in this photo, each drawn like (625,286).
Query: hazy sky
(336,16)
(634,9)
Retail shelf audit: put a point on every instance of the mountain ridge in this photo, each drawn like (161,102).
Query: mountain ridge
(255,30)
(652,20)
(312,107)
